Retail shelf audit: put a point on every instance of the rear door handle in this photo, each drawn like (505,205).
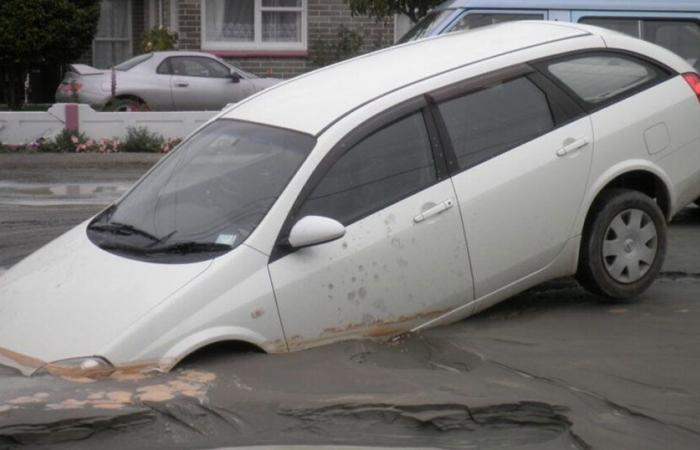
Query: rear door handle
(572,147)
(182,83)
(434,211)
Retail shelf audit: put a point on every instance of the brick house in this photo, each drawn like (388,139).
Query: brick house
(280,38)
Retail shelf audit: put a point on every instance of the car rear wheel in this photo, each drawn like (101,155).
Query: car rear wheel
(623,246)
(127,105)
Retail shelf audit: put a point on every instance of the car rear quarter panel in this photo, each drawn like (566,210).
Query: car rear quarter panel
(621,147)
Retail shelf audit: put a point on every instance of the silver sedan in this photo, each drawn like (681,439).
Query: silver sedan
(163,81)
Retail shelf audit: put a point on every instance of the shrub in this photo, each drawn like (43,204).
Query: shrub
(347,44)
(139,139)
(66,141)
(158,39)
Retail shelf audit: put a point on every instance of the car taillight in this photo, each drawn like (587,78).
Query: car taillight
(693,80)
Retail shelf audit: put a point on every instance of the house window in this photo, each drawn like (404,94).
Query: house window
(254,24)
(112,43)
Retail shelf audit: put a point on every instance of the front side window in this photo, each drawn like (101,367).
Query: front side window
(385,167)
(600,78)
(488,122)
(207,197)
(254,24)
(194,66)
(680,36)
(476,20)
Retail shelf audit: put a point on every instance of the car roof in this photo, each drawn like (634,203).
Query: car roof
(311,102)
(591,5)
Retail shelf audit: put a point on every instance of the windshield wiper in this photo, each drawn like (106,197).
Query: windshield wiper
(124,229)
(189,247)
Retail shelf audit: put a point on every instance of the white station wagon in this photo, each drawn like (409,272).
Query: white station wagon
(397,191)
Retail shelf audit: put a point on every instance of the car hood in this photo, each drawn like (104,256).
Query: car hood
(72,299)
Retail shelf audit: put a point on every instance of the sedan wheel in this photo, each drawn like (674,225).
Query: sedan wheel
(127,105)
(623,245)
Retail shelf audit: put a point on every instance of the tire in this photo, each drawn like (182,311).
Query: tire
(623,245)
(127,105)
(697,201)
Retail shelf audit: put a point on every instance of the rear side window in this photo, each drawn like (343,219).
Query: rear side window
(476,20)
(602,78)
(385,167)
(680,36)
(488,122)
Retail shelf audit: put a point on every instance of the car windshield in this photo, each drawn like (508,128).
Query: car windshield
(133,62)
(207,197)
(426,26)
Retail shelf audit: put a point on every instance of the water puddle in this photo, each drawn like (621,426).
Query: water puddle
(46,194)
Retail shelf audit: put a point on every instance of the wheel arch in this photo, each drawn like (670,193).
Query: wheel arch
(641,176)
(133,97)
(205,338)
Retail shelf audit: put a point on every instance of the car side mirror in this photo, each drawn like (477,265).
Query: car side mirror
(235,76)
(314,230)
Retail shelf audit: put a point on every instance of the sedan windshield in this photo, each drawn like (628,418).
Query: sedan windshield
(207,197)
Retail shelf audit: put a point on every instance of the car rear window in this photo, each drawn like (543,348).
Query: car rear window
(488,122)
(600,78)
(133,62)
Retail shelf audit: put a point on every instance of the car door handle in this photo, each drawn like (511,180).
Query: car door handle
(572,147)
(182,83)
(434,211)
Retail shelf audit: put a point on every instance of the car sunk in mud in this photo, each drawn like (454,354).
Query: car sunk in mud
(397,191)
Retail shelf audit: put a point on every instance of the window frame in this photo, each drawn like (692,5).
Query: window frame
(123,40)
(665,74)
(257,44)
(416,105)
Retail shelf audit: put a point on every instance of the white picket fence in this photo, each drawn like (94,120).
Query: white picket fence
(20,128)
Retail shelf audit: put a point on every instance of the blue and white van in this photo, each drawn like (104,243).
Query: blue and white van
(672,24)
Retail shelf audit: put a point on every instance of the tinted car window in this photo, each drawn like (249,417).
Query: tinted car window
(193,66)
(598,78)
(476,20)
(490,121)
(385,167)
(680,36)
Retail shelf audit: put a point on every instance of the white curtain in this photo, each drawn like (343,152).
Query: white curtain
(230,20)
(112,43)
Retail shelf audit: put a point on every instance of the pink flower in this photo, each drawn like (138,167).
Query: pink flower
(74,139)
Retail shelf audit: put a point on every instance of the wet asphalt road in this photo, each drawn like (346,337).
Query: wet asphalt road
(550,368)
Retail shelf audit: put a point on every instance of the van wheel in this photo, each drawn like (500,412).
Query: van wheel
(623,245)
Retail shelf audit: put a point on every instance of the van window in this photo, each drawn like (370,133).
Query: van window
(486,123)
(385,167)
(680,36)
(599,78)
(476,20)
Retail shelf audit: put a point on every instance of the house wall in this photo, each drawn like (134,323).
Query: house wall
(325,18)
